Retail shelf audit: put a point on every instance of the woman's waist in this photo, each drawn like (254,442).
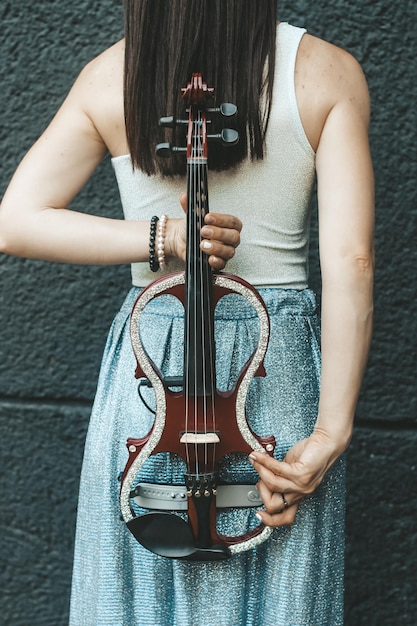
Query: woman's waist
(233,306)
(277,272)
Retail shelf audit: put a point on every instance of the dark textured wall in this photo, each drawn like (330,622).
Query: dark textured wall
(54,318)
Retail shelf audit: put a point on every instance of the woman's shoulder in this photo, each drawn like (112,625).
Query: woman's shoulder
(333,71)
(326,75)
(107,63)
(99,91)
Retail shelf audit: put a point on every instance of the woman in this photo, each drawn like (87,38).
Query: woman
(304,110)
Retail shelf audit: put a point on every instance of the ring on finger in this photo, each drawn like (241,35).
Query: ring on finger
(285,503)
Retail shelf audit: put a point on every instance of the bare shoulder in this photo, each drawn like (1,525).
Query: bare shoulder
(106,67)
(99,91)
(326,76)
(334,69)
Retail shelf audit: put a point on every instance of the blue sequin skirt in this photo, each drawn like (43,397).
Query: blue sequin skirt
(295,578)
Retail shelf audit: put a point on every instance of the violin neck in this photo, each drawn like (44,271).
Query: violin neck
(199,353)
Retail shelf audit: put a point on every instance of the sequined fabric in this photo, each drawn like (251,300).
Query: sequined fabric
(295,577)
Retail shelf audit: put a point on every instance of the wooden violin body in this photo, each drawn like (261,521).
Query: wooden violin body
(194,420)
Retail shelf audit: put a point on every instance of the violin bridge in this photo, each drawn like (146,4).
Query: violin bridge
(196,438)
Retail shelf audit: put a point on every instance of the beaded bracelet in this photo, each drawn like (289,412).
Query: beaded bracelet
(160,247)
(153,261)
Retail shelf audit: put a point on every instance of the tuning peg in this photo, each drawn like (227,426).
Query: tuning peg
(228,137)
(166,150)
(169,122)
(227,109)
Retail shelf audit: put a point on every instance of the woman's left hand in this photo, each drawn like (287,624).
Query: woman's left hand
(220,236)
(284,483)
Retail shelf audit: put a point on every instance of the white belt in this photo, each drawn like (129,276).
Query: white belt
(174,497)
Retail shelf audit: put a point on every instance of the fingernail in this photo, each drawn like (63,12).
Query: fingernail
(206,232)
(207,245)
(258,516)
(251,458)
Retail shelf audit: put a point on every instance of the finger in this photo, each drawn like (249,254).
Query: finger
(268,466)
(277,502)
(226,236)
(218,249)
(280,468)
(279,476)
(223,220)
(274,502)
(260,459)
(183,202)
(217,263)
(274,520)
(276,482)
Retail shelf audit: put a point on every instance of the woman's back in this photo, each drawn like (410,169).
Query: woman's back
(270,196)
(309,76)
(321,72)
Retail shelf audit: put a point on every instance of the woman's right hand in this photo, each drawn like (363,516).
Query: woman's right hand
(283,484)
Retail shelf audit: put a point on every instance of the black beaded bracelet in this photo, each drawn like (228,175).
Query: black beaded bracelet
(153,261)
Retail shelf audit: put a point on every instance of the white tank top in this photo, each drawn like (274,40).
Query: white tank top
(270,196)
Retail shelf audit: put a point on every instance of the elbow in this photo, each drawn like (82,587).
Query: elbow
(358,260)
(360,268)
(355,268)
(9,233)
(4,243)
(362,280)
(365,269)
(364,263)
(5,246)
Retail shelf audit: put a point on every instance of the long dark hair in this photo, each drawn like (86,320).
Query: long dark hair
(231,42)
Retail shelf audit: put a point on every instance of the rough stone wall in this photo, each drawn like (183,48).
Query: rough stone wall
(54,318)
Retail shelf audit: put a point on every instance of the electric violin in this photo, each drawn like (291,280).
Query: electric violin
(199,423)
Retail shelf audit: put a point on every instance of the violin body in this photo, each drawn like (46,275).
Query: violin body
(193,419)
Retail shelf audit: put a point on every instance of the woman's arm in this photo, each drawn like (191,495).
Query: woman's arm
(346,219)
(345,194)
(34,219)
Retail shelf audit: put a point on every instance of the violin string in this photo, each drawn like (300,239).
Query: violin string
(186,382)
(207,340)
(209,323)
(203,294)
(212,368)
(195,274)
(197,329)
